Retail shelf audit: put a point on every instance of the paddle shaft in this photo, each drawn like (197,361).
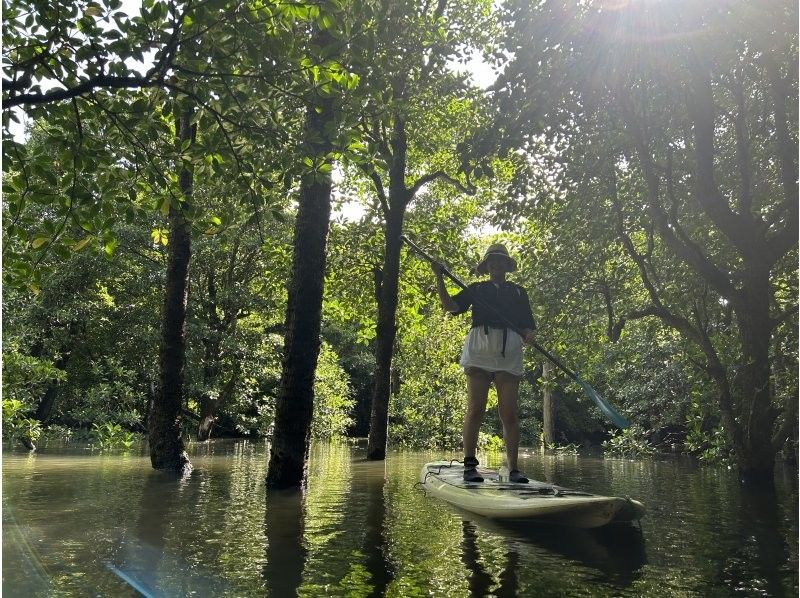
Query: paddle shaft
(419,251)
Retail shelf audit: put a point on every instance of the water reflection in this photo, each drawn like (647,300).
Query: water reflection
(371,482)
(345,526)
(285,553)
(618,552)
(23,566)
(77,523)
(760,555)
(480,580)
(145,559)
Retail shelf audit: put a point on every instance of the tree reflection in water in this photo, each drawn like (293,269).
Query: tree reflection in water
(285,552)
(480,581)
(374,545)
(78,524)
(145,559)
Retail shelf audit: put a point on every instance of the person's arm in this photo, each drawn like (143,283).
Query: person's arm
(528,323)
(448,303)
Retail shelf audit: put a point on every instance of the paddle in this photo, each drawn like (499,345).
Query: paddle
(612,414)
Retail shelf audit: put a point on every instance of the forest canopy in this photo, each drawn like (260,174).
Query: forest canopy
(177,263)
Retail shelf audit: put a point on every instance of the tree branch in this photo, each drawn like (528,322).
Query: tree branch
(440,174)
(379,189)
(153,78)
(742,149)
(102,80)
(690,253)
(738,229)
(787,153)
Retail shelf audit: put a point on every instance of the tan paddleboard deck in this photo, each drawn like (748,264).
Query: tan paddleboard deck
(534,501)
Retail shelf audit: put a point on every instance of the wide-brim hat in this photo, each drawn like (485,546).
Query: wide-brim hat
(496,249)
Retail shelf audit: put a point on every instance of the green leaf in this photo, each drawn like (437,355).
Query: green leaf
(39,241)
(81,244)
(110,246)
(160,236)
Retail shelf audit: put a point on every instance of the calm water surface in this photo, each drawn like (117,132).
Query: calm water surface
(80,523)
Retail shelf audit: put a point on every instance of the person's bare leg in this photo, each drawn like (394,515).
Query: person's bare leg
(507,398)
(477,392)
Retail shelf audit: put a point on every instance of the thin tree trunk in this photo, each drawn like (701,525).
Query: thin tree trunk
(548,414)
(164,424)
(45,407)
(209,405)
(210,408)
(295,403)
(386,333)
(399,198)
(208,416)
(211,362)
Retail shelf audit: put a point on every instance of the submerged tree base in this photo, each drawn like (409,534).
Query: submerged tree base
(757,478)
(180,465)
(286,470)
(376,455)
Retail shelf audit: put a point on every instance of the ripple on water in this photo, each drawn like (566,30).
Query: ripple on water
(84,523)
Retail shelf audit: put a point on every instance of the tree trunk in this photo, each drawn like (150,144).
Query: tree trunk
(756,413)
(210,411)
(208,415)
(548,414)
(295,403)
(164,424)
(399,198)
(48,401)
(386,333)
(45,407)
(745,401)
(209,405)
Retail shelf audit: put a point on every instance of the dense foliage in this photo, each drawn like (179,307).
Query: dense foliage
(646,184)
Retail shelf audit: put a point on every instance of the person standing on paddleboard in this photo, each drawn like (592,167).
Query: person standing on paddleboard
(492,351)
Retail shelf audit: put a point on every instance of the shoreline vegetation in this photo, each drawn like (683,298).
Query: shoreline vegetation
(632,443)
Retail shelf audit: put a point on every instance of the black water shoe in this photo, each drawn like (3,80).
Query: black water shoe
(470,470)
(515,475)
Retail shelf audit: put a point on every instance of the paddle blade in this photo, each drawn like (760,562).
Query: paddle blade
(612,414)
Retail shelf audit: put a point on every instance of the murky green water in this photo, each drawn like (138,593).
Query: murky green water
(89,524)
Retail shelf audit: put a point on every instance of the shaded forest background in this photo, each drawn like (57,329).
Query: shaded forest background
(176,263)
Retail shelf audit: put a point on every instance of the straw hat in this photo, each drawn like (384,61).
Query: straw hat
(496,249)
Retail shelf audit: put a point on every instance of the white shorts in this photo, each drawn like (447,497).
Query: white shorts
(484,351)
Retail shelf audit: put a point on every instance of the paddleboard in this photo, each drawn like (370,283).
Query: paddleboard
(534,501)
